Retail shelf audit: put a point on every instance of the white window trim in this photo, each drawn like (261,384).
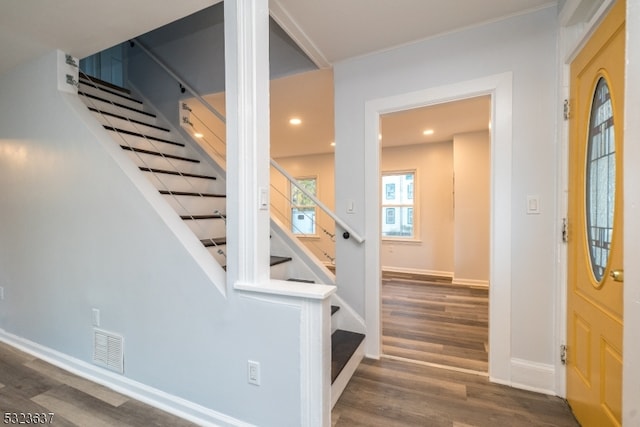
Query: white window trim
(415,237)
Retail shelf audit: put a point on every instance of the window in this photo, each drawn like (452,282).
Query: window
(397,204)
(303,209)
(601,180)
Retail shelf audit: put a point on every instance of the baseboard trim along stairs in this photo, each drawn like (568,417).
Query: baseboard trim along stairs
(194,189)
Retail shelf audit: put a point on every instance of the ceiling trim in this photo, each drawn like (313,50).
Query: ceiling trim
(291,27)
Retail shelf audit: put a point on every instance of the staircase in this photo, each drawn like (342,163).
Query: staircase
(193,188)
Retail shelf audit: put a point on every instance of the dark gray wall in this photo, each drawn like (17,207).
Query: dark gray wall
(193,48)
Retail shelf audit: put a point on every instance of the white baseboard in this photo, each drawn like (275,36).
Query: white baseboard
(470,282)
(436,273)
(532,376)
(157,398)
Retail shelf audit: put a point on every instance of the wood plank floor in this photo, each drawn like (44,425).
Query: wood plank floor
(393,393)
(433,321)
(28,384)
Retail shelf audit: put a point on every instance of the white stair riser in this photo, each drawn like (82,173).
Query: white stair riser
(110,97)
(185,183)
(207,228)
(110,108)
(193,205)
(214,251)
(132,127)
(148,144)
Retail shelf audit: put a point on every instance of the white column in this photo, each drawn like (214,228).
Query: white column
(247,106)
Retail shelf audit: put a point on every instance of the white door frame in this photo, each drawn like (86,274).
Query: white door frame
(499,86)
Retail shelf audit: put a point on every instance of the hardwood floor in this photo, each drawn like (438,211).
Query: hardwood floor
(433,321)
(393,393)
(30,385)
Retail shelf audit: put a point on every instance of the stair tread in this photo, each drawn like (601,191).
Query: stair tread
(126,107)
(178,173)
(292,279)
(275,260)
(343,345)
(142,135)
(334,309)
(157,153)
(88,78)
(118,116)
(190,193)
(111,91)
(217,241)
(206,216)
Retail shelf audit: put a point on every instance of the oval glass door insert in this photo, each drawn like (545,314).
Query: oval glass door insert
(600,180)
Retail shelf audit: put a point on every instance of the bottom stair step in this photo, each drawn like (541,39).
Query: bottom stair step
(275,260)
(343,345)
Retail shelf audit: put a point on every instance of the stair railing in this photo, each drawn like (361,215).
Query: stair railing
(347,230)
(210,134)
(108,121)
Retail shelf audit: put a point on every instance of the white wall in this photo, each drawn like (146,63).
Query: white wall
(472,163)
(526,47)
(447,244)
(432,252)
(77,233)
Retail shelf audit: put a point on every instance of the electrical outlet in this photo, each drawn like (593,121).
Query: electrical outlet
(1,293)
(253,372)
(96,317)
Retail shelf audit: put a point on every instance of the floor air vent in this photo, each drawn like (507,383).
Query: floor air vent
(108,350)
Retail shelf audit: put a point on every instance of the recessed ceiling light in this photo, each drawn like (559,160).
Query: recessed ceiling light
(295,121)
(333,144)
(428,132)
(198,135)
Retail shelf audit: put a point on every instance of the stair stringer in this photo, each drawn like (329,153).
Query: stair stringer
(181,231)
(306,265)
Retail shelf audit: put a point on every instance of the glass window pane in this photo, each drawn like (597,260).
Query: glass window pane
(397,204)
(303,209)
(303,220)
(397,222)
(601,179)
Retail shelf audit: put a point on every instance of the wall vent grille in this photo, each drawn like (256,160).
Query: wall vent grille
(108,350)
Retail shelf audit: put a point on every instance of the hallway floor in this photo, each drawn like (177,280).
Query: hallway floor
(392,393)
(430,320)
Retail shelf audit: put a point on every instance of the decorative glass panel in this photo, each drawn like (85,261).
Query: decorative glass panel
(601,179)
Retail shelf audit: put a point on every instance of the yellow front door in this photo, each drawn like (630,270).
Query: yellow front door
(594,300)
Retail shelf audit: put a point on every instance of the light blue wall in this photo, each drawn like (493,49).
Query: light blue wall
(76,233)
(525,46)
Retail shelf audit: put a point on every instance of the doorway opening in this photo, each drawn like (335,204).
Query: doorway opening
(435,221)
(500,88)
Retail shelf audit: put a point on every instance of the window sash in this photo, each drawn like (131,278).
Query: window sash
(398,205)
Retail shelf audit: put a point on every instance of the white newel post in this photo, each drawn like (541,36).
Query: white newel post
(247,105)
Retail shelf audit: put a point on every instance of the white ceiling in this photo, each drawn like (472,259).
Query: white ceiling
(334,30)
(29,28)
(309,97)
